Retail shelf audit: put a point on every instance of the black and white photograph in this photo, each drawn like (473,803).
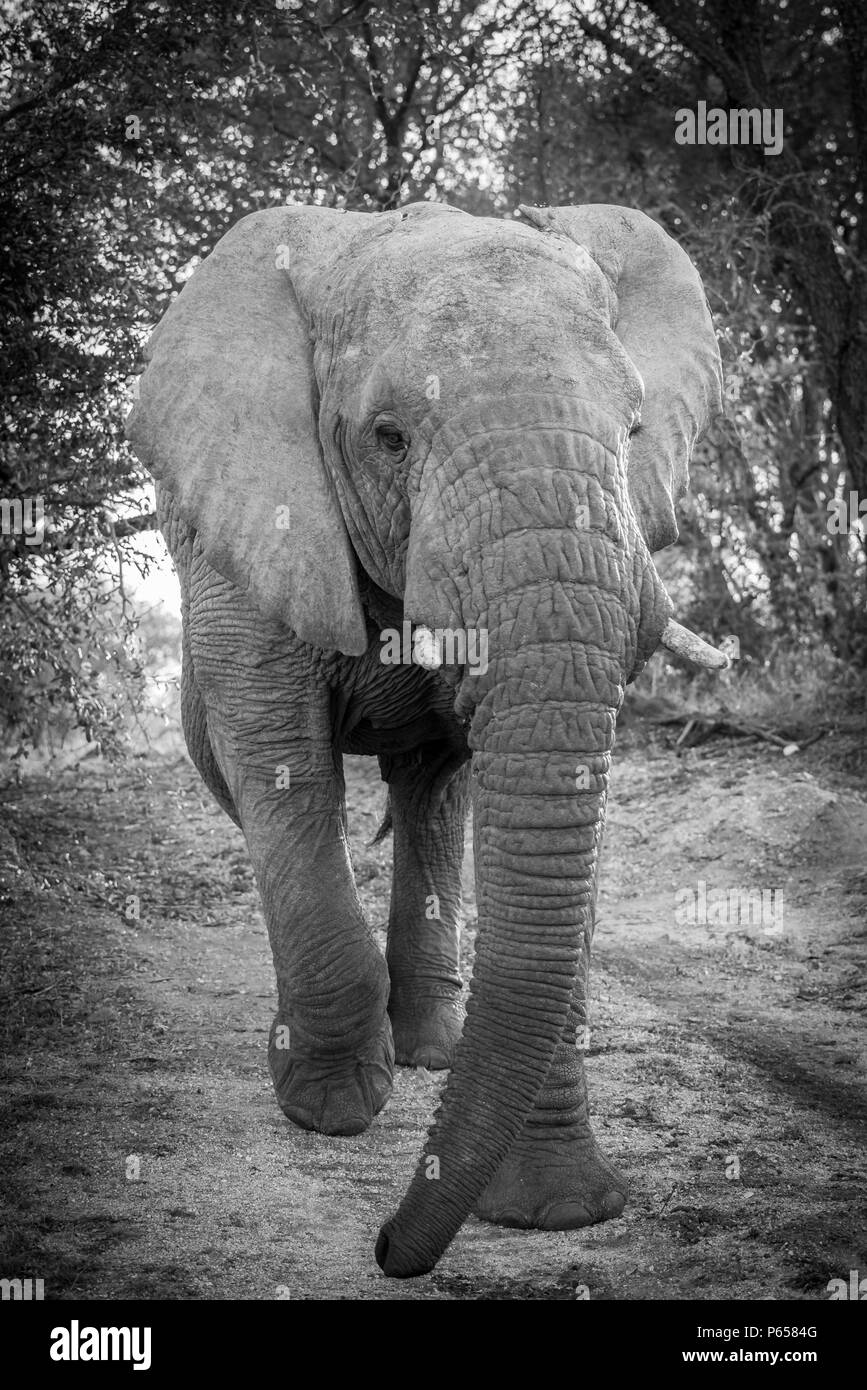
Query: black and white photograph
(433,663)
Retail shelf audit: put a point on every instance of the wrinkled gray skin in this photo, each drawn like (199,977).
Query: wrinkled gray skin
(434,397)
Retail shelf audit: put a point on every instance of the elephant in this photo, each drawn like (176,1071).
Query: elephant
(441,426)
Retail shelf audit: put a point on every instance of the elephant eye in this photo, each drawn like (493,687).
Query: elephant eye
(392,440)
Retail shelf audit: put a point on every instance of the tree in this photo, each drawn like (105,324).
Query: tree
(595,121)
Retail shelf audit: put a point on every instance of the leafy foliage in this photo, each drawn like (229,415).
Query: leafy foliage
(778,244)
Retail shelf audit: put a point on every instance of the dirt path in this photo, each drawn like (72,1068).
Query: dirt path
(143,1154)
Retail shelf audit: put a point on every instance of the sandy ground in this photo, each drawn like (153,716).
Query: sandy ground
(143,1153)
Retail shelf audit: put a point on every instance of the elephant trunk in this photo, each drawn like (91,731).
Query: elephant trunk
(536,846)
(582,610)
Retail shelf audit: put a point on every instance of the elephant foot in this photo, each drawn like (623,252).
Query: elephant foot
(549,1184)
(332,1095)
(426,1026)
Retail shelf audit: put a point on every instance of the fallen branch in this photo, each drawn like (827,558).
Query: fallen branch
(698,728)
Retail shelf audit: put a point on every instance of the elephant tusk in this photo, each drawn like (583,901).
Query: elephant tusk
(682,642)
(426,649)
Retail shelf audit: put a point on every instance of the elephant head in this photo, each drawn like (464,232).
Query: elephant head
(493,420)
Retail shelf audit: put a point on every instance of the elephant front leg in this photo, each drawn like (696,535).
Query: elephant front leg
(330,1050)
(266,708)
(429,797)
(555,1178)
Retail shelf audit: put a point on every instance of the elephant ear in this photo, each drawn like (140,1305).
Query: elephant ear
(226,419)
(665,327)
